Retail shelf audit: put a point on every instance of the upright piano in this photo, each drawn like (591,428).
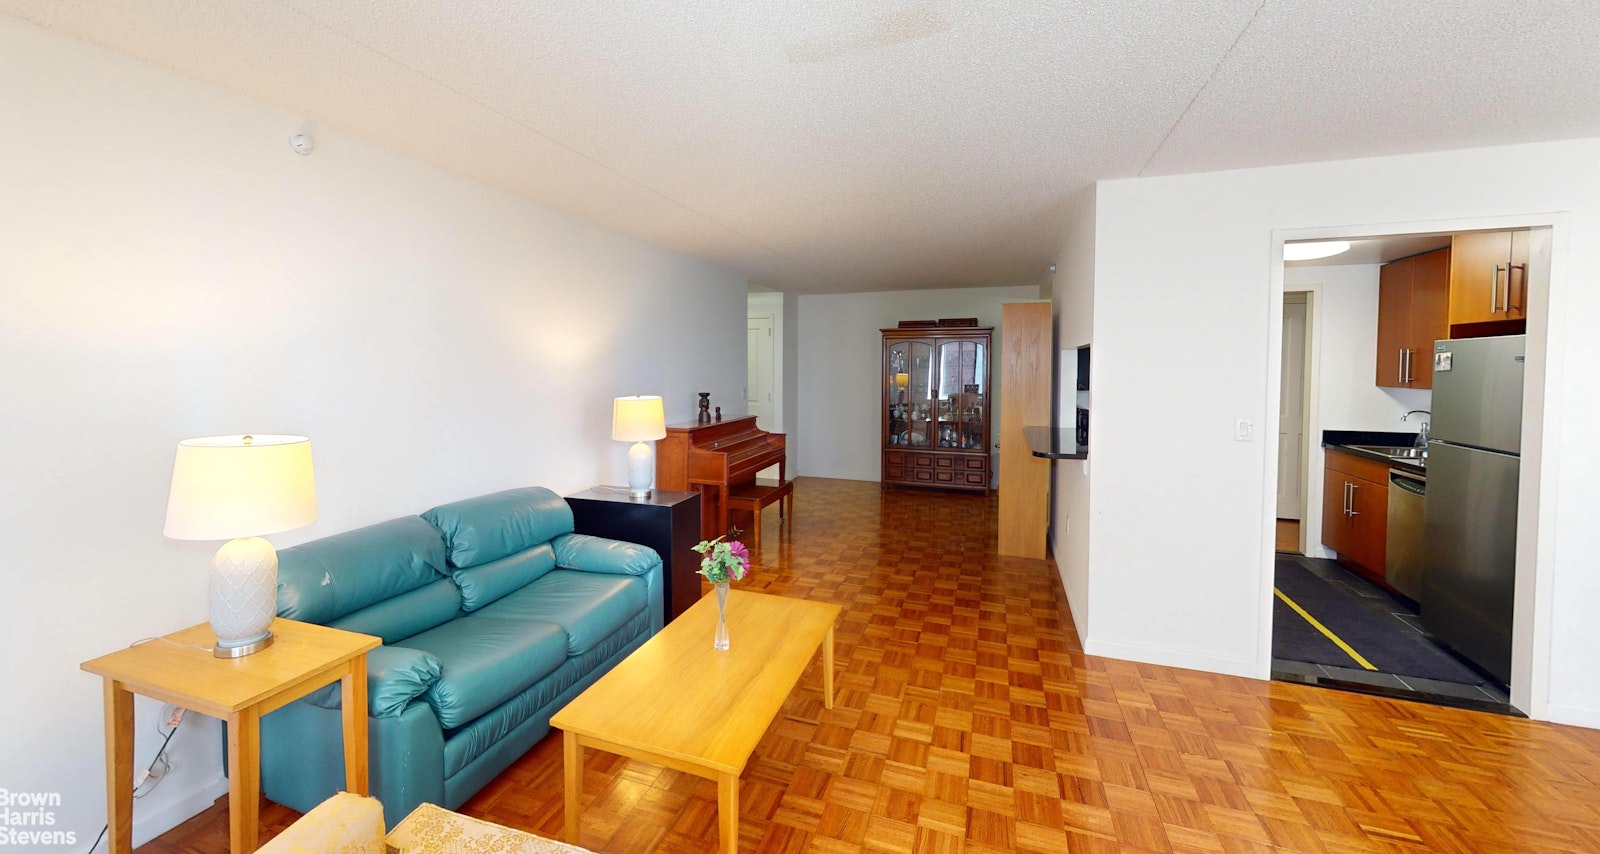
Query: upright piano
(711,458)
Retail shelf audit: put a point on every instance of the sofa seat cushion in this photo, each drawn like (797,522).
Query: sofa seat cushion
(486,662)
(589,606)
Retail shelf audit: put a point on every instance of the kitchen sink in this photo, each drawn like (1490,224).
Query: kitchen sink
(1394,453)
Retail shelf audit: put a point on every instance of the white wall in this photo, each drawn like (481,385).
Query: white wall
(1071,517)
(1344,330)
(170,268)
(1180,563)
(840,353)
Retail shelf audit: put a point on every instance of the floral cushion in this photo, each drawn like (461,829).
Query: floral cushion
(431,829)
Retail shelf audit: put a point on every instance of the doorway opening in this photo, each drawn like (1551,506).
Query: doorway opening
(1293,414)
(1371,577)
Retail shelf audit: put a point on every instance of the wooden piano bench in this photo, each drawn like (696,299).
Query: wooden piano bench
(755,496)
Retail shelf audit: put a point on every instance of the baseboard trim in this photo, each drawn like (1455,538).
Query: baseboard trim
(152,824)
(1563,713)
(1166,657)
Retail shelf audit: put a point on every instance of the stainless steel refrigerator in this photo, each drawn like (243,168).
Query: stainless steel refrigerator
(1470,528)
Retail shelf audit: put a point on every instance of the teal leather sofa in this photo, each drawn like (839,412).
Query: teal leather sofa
(494,614)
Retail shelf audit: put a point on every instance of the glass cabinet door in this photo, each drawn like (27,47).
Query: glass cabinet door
(909,382)
(963,395)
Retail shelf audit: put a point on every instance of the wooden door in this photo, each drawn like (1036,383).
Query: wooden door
(1430,313)
(1478,275)
(1026,372)
(1394,321)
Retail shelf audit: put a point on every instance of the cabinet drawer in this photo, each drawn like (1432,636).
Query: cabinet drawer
(976,478)
(895,473)
(976,463)
(894,458)
(923,475)
(944,477)
(922,461)
(1357,466)
(944,462)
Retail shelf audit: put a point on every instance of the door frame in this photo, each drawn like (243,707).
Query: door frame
(1541,405)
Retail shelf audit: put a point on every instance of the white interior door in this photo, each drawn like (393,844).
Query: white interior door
(1291,405)
(758,377)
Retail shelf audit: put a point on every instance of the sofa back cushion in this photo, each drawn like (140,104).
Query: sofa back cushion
(487,528)
(487,582)
(500,543)
(324,580)
(407,614)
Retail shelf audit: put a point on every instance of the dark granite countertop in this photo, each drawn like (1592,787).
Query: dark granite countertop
(1346,441)
(1055,443)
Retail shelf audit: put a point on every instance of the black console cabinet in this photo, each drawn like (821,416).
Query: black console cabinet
(664,520)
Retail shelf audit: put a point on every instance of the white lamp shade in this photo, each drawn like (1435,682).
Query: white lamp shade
(638,418)
(240,486)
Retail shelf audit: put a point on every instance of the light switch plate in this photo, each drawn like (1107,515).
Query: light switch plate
(1244,430)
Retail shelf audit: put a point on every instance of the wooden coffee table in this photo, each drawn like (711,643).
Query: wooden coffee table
(677,702)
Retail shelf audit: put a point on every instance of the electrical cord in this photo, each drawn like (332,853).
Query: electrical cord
(160,753)
(143,641)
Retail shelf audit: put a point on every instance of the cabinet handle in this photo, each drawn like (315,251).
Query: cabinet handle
(1353,488)
(1509,268)
(1494,291)
(1346,508)
(1400,368)
(1406,360)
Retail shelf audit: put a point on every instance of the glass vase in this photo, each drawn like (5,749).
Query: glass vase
(722,616)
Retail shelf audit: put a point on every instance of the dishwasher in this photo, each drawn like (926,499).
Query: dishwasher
(1402,565)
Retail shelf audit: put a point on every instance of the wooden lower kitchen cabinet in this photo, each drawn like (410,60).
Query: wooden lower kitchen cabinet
(1355,512)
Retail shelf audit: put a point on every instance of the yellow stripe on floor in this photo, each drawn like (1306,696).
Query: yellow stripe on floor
(1324,629)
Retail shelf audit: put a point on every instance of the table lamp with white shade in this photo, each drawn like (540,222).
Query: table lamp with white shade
(238,488)
(639,419)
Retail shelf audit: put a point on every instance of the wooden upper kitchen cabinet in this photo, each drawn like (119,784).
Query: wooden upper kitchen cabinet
(1355,512)
(1488,278)
(1413,312)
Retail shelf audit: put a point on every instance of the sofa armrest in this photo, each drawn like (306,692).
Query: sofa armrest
(598,554)
(396,675)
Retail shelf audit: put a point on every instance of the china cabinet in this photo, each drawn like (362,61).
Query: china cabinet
(936,400)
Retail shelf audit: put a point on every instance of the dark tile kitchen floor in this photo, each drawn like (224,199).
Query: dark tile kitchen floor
(1487,695)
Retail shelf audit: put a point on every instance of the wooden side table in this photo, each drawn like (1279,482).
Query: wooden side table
(302,658)
(665,520)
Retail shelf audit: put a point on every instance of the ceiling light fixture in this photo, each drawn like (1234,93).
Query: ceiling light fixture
(1313,251)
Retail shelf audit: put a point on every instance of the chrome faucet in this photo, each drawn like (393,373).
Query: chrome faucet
(1422,435)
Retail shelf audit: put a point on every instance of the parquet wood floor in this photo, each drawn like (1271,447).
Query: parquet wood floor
(969,719)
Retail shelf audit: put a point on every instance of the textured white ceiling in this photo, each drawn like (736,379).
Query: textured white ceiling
(857,145)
